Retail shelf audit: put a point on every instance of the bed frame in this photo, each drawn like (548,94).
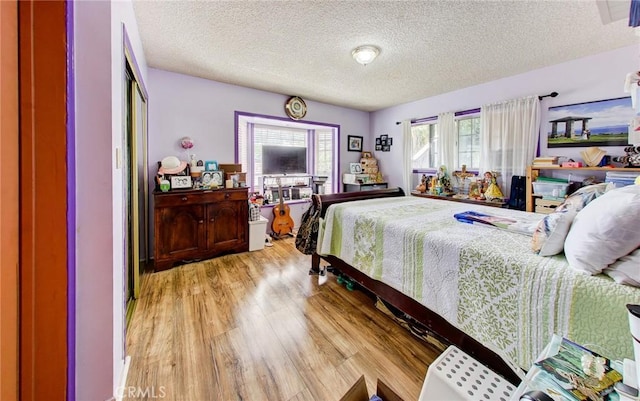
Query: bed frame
(432,321)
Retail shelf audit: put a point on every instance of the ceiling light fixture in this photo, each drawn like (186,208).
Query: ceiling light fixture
(365,54)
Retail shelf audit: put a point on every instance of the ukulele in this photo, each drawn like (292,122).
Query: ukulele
(282,221)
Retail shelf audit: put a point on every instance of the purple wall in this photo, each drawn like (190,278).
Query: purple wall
(590,78)
(94,243)
(182,105)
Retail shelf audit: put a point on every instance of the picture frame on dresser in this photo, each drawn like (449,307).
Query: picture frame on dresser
(211,165)
(212,178)
(355,168)
(181,182)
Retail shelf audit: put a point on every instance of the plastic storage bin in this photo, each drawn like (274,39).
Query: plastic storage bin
(550,189)
(257,234)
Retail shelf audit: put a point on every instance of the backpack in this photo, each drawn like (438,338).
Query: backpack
(307,237)
(517,197)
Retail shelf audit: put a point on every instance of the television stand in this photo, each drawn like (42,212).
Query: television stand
(292,186)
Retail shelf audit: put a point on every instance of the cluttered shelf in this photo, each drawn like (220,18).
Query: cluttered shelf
(533,172)
(493,203)
(630,169)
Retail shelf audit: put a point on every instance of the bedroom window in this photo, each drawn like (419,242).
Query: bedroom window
(469,142)
(424,146)
(255,131)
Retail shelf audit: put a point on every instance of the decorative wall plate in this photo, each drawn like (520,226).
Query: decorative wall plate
(295,108)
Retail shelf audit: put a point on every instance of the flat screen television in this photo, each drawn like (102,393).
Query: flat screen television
(284,159)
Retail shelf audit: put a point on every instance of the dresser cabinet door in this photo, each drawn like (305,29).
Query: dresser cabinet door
(180,231)
(226,225)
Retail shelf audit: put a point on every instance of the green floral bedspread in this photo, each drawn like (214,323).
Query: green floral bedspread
(483,280)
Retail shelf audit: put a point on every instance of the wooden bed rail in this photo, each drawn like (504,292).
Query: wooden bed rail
(432,321)
(324,201)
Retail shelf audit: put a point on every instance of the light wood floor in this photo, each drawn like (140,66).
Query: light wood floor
(255,326)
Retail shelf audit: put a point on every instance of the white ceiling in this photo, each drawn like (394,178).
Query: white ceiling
(303,48)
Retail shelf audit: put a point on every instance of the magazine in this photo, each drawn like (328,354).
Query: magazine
(522,226)
(567,369)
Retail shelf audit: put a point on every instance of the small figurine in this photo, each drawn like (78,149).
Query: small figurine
(443,179)
(474,190)
(493,190)
(422,187)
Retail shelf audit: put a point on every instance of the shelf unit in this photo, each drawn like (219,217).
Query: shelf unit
(533,172)
(293,186)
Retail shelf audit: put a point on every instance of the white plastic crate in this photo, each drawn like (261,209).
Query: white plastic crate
(457,376)
(550,189)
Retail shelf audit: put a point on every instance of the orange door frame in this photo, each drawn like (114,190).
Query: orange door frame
(9,209)
(43,200)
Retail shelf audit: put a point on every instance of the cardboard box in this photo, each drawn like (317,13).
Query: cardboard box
(359,392)
(547,206)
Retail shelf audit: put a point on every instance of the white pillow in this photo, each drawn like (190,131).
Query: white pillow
(626,270)
(607,229)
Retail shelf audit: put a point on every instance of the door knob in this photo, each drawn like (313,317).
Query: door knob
(200,221)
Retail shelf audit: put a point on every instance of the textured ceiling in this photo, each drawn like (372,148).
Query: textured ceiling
(304,48)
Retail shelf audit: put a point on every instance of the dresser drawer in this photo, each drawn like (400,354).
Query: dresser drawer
(220,195)
(194,197)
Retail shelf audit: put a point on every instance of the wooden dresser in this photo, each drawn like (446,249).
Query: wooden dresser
(196,225)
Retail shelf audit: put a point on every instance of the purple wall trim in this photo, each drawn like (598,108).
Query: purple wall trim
(336,164)
(311,161)
(466,112)
(71,208)
(236,157)
(243,113)
(251,160)
(336,183)
(424,120)
(135,66)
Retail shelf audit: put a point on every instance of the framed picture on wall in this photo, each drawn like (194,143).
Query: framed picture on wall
(598,123)
(378,147)
(354,143)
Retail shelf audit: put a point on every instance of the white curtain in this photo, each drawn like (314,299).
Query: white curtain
(447,142)
(508,136)
(407,154)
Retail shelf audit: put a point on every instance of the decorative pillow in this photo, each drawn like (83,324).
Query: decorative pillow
(605,230)
(626,270)
(549,236)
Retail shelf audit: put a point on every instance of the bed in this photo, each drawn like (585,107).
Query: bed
(478,287)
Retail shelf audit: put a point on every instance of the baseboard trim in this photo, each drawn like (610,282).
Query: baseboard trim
(119,393)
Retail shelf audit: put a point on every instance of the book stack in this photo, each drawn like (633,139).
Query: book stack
(620,178)
(545,161)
